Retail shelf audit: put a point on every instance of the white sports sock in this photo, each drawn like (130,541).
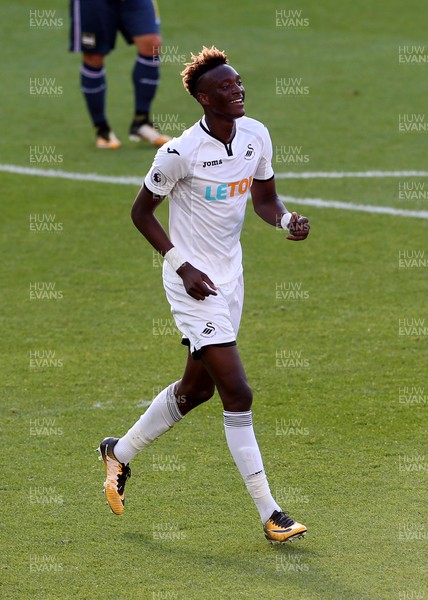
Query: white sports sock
(161,415)
(243,446)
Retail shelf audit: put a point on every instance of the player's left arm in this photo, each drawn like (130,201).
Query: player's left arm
(269,207)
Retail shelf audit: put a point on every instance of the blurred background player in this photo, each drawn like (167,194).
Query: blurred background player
(207,173)
(94,25)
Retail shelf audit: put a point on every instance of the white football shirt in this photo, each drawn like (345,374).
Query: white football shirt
(208,183)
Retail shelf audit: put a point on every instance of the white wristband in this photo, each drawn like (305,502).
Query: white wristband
(174,259)
(285,220)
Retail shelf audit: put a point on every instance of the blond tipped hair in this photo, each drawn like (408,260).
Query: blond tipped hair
(207,59)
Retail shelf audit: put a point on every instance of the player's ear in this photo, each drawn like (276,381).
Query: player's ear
(202,98)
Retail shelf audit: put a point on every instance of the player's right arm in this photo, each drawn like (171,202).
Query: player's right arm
(195,282)
(144,219)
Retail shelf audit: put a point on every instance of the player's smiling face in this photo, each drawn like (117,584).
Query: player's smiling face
(221,92)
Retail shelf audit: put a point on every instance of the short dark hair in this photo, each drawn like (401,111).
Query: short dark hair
(207,59)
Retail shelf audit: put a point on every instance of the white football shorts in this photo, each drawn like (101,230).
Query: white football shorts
(210,322)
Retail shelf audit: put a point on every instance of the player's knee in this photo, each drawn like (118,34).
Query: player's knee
(93,60)
(195,395)
(238,399)
(206,393)
(149,45)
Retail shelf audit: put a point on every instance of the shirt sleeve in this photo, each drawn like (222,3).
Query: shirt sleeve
(264,169)
(167,168)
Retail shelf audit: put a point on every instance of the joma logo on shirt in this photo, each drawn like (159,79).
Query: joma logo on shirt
(227,190)
(212,163)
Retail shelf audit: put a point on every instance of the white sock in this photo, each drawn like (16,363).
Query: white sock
(161,415)
(243,446)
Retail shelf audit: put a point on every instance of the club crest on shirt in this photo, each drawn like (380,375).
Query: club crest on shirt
(250,153)
(158,178)
(209,330)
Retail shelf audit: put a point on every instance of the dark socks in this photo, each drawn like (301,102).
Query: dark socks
(146,78)
(93,85)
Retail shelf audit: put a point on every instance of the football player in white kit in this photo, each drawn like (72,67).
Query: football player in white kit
(207,174)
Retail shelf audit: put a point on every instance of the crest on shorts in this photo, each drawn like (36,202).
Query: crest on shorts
(88,40)
(209,330)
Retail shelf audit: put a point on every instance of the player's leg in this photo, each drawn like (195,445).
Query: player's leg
(224,365)
(94,88)
(93,33)
(169,407)
(140,26)
(195,387)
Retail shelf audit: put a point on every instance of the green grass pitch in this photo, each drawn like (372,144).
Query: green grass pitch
(338,371)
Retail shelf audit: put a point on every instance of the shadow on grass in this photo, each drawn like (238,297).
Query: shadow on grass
(288,571)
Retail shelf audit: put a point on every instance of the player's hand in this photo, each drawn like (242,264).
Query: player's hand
(298,227)
(197,284)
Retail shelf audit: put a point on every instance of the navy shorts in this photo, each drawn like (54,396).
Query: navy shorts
(95,23)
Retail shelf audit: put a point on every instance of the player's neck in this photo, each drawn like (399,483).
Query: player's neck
(220,128)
